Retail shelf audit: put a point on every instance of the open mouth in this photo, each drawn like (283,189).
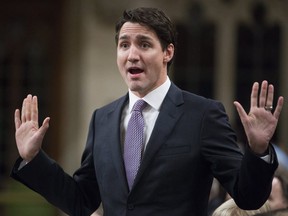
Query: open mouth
(135,70)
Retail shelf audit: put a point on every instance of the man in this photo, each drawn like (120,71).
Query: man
(187,139)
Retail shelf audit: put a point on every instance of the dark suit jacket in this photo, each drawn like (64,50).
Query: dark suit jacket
(192,141)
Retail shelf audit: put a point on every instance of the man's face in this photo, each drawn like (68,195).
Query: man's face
(141,59)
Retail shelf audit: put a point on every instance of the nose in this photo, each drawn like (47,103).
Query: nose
(133,55)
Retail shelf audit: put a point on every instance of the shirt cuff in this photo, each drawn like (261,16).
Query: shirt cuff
(269,158)
(22,164)
(266,158)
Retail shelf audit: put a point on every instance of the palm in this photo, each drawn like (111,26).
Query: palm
(27,138)
(260,126)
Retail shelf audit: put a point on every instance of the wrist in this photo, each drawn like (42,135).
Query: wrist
(260,152)
(30,157)
(259,149)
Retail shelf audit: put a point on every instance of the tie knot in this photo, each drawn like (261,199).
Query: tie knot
(139,105)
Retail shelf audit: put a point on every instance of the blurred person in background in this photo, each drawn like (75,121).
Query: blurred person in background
(278,198)
(229,208)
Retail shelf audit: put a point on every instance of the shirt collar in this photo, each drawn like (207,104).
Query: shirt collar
(153,98)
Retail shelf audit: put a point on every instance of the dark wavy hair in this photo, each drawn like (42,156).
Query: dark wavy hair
(154,19)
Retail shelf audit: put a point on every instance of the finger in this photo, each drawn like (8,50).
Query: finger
(34,110)
(263,94)
(45,125)
(270,96)
(23,118)
(278,107)
(28,108)
(240,110)
(254,94)
(17,119)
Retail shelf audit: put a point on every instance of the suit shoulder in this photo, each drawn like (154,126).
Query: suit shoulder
(188,96)
(112,105)
(202,104)
(189,99)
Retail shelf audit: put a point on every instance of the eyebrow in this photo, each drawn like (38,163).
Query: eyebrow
(138,37)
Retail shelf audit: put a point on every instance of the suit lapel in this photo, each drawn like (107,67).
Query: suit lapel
(114,119)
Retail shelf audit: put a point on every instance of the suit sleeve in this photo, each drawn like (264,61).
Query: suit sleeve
(77,195)
(247,178)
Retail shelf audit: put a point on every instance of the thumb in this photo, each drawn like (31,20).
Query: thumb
(45,125)
(241,112)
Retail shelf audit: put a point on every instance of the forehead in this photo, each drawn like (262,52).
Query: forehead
(130,29)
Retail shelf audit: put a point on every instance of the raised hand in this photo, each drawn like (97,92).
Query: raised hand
(28,135)
(260,123)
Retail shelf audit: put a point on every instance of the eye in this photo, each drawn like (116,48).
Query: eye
(145,45)
(123,45)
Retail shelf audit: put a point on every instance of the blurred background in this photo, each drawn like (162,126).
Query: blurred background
(64,52)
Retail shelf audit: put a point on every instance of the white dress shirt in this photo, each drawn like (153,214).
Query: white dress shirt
(154,100)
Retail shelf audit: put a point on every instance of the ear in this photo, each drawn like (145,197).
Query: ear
(168,53)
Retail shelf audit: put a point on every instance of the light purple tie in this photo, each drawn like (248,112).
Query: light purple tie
(134,141)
